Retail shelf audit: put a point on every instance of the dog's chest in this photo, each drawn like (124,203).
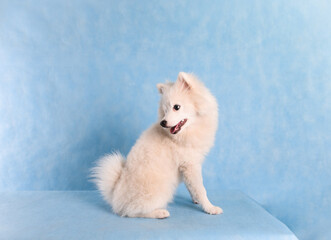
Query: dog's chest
(184,156)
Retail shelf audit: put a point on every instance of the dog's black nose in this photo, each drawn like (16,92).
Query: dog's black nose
(163,123)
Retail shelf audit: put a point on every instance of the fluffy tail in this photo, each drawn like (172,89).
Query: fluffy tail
(106,174)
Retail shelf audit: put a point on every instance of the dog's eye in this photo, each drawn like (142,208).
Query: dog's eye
(176,107)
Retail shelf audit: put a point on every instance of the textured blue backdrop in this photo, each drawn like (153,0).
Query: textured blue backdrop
(77,80)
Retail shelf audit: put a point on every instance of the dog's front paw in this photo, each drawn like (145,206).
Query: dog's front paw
(195,201)
(213,210)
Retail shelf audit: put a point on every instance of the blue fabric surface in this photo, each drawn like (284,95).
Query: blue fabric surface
(83,215)
(77,80)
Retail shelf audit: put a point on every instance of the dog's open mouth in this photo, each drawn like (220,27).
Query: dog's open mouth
(175,129)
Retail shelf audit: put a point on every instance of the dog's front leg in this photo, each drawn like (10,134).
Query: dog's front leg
(192,177)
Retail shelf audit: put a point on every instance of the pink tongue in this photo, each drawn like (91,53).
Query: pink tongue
(174,129)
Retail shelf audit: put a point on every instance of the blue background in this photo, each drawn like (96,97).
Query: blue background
(77,80)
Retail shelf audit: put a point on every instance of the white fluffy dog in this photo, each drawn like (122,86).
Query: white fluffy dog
(163,156)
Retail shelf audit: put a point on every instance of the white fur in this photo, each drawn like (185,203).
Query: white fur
(107,172)
(144,184)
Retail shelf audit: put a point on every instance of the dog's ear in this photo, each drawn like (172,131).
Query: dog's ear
(183,81)
(161,87)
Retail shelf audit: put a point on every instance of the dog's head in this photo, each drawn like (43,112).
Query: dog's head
(183,103)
